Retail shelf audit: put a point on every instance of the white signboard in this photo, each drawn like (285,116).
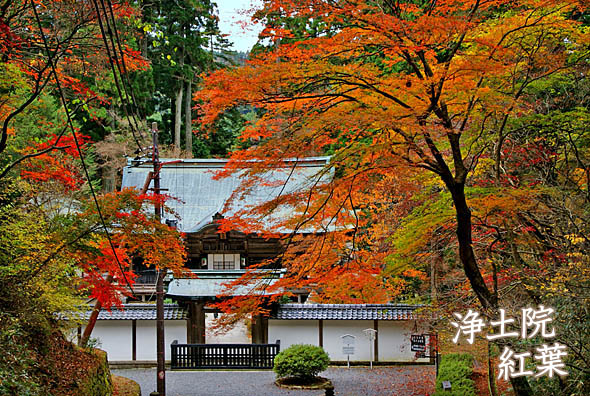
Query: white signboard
(371,334)
(348,341)
(348,350)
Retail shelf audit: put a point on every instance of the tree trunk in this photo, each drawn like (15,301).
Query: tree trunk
(188,125)
(521,386)
(92,320)
(109,182)
(486,298)
(146,10)
(178,116)
(435,263)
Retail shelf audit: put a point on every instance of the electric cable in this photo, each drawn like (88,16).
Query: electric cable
(118,41)
(120,62)
(114,69)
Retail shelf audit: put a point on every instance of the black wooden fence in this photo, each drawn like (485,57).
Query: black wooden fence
(221,356)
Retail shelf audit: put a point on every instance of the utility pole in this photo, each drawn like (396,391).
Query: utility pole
(161,372)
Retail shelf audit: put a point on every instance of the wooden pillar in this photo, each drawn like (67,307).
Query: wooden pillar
(79,334)
(259,329)
(200,322)
(256,329)
(264,323)
(196,323)
(189,334)
(376,328)
(134,339)
(321,332)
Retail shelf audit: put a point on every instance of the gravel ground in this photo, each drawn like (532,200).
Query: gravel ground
(381,381)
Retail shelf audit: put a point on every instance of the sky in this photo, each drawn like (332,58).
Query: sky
(231,21)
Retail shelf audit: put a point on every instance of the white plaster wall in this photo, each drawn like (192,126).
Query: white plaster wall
(114,337)
(394,337)
(334,329)
(394,341)
(146,337)
(293,332)
(237,335)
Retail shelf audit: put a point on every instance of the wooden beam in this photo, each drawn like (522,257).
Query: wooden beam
(196,323)
(376,328)
(259,329)
(200,326)
(264,330)
(134,339)
(321,332)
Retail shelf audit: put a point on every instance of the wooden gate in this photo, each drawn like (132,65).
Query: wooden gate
(223,356)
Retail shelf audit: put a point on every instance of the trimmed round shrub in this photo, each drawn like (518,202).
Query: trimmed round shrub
(302,361)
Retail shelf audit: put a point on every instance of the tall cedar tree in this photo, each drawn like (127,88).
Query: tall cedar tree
(182,40)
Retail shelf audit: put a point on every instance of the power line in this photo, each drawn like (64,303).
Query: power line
(79,149)
(112,59)
(118,41)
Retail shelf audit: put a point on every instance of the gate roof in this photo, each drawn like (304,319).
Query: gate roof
(199,196)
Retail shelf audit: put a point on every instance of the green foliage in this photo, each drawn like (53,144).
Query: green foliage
(31,290)
(302,361)
(224,137)
(417,228)
(456,368)
(16,360)
(182,41)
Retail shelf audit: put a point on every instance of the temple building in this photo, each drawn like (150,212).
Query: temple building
(199,201)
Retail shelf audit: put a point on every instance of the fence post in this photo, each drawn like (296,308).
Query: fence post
(174,354)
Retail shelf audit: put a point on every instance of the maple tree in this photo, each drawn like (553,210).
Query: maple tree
(90,68)
(58,75)
(427,110)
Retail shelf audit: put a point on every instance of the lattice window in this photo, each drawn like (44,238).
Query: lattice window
(229,261)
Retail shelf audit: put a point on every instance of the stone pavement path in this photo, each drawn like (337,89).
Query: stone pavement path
(356,381)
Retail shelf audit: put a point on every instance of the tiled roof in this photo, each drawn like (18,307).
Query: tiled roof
(211,283)
(139,312)
(200,195)
(346,311)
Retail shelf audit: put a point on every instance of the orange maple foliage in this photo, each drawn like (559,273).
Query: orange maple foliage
(78,53)
(56,178)
(56,163)
(134,232)
(405,97)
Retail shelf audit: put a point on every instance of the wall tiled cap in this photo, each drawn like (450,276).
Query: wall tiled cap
(139,312)
(346,311)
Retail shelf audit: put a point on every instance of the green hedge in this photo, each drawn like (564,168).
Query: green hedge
(302,361)
(457,368)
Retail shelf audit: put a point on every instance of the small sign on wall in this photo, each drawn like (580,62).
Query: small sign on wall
(418,343)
